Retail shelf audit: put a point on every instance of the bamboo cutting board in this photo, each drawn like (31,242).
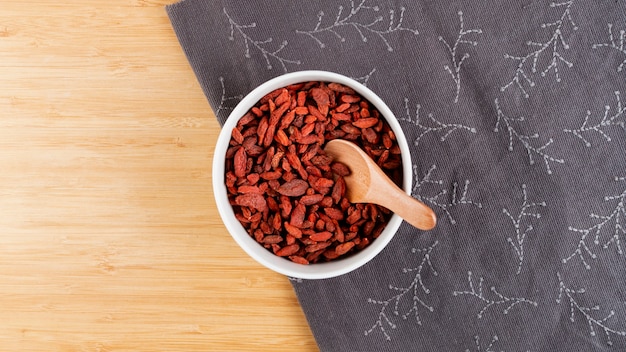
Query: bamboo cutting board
(109,236)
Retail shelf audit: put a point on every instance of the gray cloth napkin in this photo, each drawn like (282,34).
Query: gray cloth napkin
(515,116)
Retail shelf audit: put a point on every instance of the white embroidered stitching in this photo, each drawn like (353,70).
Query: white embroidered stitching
(525,140)
(585,311)
(509,301)
(456,61)
(520,235)
(258,44)
(224,99)
(361,28)
(617,218)
(364,79)
(521,74)
(435,200)
(416,284)
(606,122)
(487,348)
(445,128)
(612,44)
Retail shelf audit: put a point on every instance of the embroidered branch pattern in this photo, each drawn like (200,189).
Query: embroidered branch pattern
(615,45)
(260,45)
(525,140)
(410,294)
(364,79)
(436,127)
(609,119)
(455,57)
(586,312)
(615,223)
(528,65)
(371,27)
(527,211)
(226,100)
(457,197)
(500,299)
(487,348)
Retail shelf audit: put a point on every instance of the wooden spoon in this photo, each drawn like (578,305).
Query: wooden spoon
(367,183)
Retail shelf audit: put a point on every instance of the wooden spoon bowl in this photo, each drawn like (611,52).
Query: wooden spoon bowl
(367,183)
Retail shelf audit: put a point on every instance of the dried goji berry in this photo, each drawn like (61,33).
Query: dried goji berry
(252,200)
(340,169)
(297,215)
(343,248)
(346,98)
(298,259)
(293,188)
(365,122)
(334,213)
(321,99)
(272,239)
(339,190)
(237,136)
(321,236)
(281,137)
(292,230)
(288,250)
(317,246)
(240,160)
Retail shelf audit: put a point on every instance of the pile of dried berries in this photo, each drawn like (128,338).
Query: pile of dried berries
(286,192)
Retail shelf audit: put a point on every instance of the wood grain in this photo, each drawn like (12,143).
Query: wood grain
(109,235)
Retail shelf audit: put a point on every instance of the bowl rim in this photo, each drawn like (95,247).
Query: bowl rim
(235,228)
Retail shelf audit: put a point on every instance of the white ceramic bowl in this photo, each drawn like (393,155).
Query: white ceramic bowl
(255,250)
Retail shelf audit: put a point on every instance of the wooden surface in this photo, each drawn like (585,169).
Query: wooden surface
(109,236)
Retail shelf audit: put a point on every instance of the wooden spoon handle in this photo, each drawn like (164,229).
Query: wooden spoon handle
(411,210)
